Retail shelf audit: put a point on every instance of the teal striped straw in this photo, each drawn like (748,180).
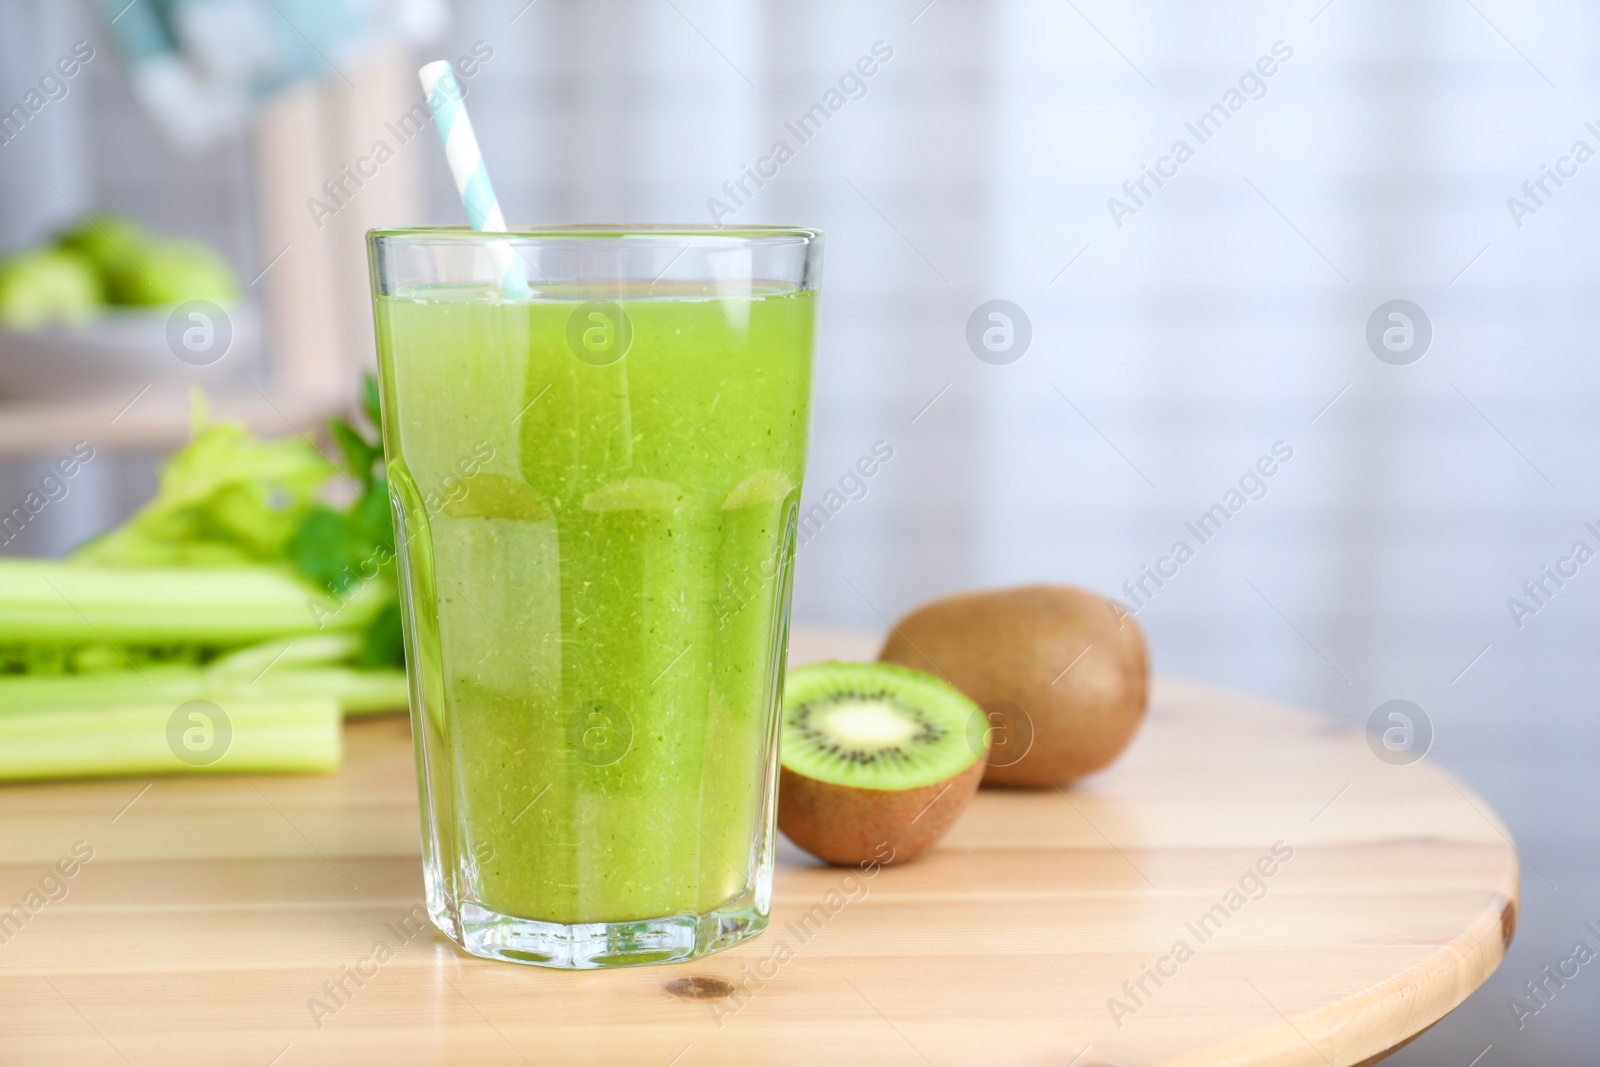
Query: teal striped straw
(439,85)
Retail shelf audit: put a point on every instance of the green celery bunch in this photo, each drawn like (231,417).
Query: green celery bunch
(238,584)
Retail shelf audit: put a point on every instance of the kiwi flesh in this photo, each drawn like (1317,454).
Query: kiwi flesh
(878,761)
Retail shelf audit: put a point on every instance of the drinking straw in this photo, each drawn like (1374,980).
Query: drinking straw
(439,85)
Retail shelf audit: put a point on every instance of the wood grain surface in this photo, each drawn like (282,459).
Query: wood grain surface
(216,915)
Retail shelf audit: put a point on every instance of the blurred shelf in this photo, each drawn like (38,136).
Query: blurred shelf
(155,418)
(310,281)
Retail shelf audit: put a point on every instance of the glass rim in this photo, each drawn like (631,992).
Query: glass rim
(706,232)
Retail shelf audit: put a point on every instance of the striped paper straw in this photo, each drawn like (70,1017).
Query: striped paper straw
(439,85)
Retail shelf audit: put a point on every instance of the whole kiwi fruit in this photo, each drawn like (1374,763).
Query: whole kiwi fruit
(1062,674)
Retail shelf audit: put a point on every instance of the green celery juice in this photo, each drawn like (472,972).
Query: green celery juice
(607,544)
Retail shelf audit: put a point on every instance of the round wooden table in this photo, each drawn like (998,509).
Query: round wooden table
(1248,885)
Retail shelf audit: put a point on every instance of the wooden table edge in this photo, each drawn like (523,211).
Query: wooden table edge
(1343,1033)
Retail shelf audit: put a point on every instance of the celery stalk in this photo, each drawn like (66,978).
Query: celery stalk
(356,692)
(46,601)
(301,650)
(365,691)
(27,692)
(263,736)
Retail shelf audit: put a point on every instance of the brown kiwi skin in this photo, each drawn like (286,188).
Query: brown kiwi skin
(849,826)
(1009,645)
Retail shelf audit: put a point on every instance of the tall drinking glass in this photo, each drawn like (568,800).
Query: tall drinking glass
(595,487)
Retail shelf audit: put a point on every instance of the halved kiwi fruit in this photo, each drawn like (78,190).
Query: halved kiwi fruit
(878,761)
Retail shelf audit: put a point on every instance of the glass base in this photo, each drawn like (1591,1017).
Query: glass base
(584,946)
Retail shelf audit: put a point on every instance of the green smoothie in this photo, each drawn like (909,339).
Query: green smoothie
(597,495)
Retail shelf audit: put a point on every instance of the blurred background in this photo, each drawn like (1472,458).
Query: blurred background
(1159,334)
